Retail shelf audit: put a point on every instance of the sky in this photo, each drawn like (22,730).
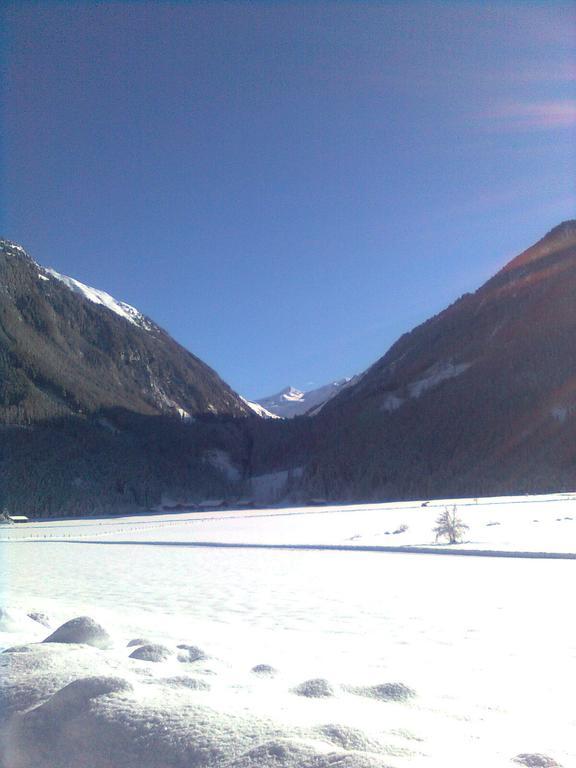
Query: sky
(286,187)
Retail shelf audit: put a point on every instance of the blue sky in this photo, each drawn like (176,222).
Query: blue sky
(286,187)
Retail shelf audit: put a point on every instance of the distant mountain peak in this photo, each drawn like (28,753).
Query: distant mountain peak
(291,393)
(290,401)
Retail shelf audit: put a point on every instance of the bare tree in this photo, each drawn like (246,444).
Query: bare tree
(450,525)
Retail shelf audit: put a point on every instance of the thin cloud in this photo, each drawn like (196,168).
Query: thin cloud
(533,115)
(546,72)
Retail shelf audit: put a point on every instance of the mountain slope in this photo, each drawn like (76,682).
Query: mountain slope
(67,349)
(480,398)
(100,409)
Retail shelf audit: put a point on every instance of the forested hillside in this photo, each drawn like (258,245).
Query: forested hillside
(479,399)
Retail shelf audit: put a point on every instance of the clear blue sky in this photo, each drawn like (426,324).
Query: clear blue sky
(286,187)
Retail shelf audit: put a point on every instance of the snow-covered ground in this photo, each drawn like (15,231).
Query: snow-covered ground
(481,650)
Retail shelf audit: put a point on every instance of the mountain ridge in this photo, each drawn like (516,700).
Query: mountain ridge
(291,402)
(69,348)
(480,399)
(476,399)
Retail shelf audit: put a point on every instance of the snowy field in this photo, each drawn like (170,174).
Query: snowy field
(364,658)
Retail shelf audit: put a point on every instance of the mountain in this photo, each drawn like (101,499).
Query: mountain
(66,348)
(479,399)
(292,402)
(100,409)
(259,410)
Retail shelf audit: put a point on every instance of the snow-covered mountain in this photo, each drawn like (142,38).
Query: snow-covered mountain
(259,410)
(292,402)
(100,409)
(67,348)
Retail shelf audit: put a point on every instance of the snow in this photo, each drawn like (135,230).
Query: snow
(259,410)
(309,656)
(96,296)
(292,402)
(152,652)
(435,375)
(9,244)
(164,401)
(15,621)
(82,629)
(273,486)
(562,412)
(221,461)
(391,403)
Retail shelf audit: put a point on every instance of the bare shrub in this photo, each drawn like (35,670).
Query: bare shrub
(401,528)
(450,525)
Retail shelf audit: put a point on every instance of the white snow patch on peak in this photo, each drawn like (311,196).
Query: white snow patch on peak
(104,299)
(259,410)
(13,246)
(293,402)
(291,394)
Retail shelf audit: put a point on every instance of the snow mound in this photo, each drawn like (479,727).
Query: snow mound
(82,629)
(78,692)
(181,681)
(138,641)
(346,737)
(302,753)
(51,734)
(102,722)
(152,652)
(264,670)
(30,674)
(535,760)
(190,653)
(385,692)
(41,618)
(317,688)
(19,649)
